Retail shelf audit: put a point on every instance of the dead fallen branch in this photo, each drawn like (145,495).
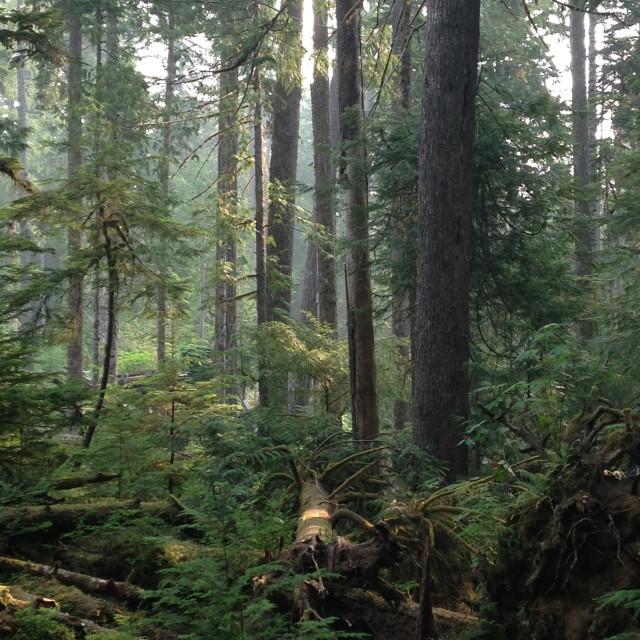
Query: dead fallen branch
(125,591)
(12,600)
(64,484)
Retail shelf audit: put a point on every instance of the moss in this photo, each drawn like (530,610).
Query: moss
(6,599)
(40,625)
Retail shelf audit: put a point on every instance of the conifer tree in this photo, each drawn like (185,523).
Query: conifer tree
(362,365)
(284,165)
(74,154)
(442,330)
(327,309)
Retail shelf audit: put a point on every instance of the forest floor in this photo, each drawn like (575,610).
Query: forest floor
(97,567)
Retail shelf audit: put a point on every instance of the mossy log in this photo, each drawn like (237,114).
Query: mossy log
(125,591)
(12,600)
(65,484)
(58,519)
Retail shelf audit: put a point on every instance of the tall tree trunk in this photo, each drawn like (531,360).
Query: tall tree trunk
(364,396)
(283,171)
(74,165)
(327,306)
(441,355)
(161,346)
(594,155)
(112,288)
(402,290)
(584,231)
(112,48)
(97,288)
(26,257)
(202,320)
(97,279)
(261,267)
(227,201)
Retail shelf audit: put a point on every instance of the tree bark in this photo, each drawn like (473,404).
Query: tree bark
(309,300)
(126,591)
(261,265)
(167,145)
(57,519)
(402,290)
(26,257)
(74,165)
(112,49)
(108,367)
(282,174)
(364,397)
(327,297)
(594,150)
(584,230)
(97,288)
(441,355)
(227,201)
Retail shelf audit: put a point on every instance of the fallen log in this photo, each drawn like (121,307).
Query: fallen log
(64,484)
(125,591)
(12,600)
(57,519)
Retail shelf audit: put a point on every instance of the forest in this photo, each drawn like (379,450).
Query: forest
(318,319)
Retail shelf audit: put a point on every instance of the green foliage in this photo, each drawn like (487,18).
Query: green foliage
(627,599)
(307,352)
(40,624)
(544,386)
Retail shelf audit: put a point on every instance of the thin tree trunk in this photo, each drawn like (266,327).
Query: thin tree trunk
(282,175)
(426,622)
(400,305)
(584,243)
(227,200)
(112,288)
(441,355)
(364,396)
(112,46)
(26,257)
(309,300)
(97,284)
(202,324)
(594,155)
(164,178)
(261,269)
(95,374)
(74,164)
(327,297)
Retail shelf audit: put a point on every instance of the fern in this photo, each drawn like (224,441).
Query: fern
(626,598)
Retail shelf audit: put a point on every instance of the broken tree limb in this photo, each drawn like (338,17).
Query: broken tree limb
(369,468)
(12,600)
(426,622)
(358,520)
(125,591)
(64,484)
(335,466)
(57,519)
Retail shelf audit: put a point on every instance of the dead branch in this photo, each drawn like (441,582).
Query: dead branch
(64,484)
(334,466)
(346,514)
(12,600)
(126,591)
(356,476)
